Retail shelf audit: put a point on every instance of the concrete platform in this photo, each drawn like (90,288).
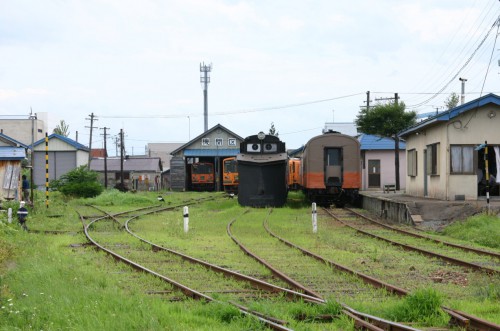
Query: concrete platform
(399,207)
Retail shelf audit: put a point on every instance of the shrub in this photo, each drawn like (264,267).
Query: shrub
(80,182)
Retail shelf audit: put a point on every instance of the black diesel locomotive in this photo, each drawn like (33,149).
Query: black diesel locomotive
(262,167)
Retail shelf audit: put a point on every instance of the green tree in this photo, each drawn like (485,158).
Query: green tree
(272,130)
(386,120)
(61,129)
(79,182)
(452,101)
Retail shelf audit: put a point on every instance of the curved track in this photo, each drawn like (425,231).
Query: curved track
(192,293)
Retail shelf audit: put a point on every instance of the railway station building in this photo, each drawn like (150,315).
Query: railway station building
(455,155)
(212,146)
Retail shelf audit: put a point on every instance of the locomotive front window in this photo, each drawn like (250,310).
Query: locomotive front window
(230,166)
(202,169)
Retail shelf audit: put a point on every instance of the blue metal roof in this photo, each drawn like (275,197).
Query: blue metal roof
(12,140)
(211,152)
(12,153)
(449,114)
(67,140)
(373,142)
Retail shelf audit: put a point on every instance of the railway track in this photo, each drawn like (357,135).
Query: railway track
(421,236)
(188,291)
(462,256)
(459,318)
(248,294)
(361,320)
(290,276)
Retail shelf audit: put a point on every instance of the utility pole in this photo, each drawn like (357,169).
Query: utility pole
(105,159)
(205,80)
(368,100)
(92,118)
(32,180)
(462,97)
(396,143)
(122,147)
(116,141)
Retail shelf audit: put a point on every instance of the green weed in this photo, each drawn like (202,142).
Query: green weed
(423,306)
(481,229)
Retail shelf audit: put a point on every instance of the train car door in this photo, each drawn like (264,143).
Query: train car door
(333,167)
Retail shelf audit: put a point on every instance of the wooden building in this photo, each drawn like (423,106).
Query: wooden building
(12,153)
(212,146)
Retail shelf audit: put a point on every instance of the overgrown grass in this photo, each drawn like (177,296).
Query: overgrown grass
(422,306)
(482,229)
(46,284)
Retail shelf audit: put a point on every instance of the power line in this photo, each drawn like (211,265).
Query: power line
(463,66)
(239,111)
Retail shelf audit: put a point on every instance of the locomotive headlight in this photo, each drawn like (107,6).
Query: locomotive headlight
(270,148)
(261,135)
(255,147)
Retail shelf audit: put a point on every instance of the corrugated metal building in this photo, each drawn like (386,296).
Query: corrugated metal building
(65,154)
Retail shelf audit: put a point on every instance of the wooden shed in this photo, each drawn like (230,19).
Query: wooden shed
(12,153)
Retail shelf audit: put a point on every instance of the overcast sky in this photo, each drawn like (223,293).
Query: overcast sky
(299,64)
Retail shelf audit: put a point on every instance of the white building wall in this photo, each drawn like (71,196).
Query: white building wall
(472,128)
(387,168)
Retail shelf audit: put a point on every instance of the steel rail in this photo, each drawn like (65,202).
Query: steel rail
(226,272)
(462,319)
(272,323)
(420,250)
(274,271)
(367,279)
(416,235)
(360,319)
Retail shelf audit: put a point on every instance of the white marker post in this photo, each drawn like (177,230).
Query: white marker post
(9,215)
(186,219)
(314,218)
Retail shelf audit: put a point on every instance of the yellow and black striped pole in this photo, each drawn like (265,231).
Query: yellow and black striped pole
(46,169)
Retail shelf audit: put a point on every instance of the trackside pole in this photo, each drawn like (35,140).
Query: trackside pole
(186,219)
(9,215)
(314,218)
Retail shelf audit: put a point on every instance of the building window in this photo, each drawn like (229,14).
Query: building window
(205,141)
(462,159)
(433,159)
(231,142)
(412,163)
(219,142)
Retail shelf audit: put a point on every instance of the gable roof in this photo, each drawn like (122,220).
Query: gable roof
(67,140)
(218,126)
(146,164)
(374,142)
(446,116)
(11,141)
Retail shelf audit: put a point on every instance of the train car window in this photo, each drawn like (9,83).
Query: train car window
(333,156)
(253,148)
(270,148)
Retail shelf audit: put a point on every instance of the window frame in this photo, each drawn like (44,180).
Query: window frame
(473,160)
(411,165)
(433,161)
